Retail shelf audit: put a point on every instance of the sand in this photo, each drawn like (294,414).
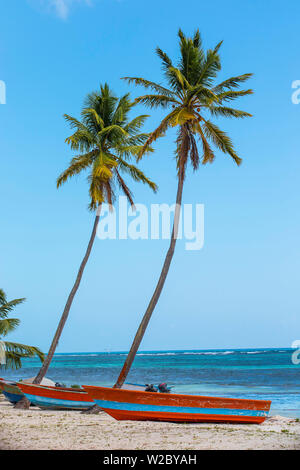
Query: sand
(58,430)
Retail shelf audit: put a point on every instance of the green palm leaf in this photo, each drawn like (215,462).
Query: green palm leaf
(15,352)
(148,84)
(232,95)
(221,140)
(78,164)
(156,101)
(7,307)
(228,112)
(8,325)
(233,82)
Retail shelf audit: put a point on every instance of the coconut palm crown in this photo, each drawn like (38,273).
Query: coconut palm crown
(193,98)
(13,353)
(106,140)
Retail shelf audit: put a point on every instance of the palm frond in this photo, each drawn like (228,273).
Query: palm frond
(148,84)
(74,123)
(158,132)
(232,82)
(92,120)
(131,151)
(203,94)
(166,61)
(137,139)
(122,109)
(134,126)
(177,80)
(232,95)
(77,165)
(155,101)
(15,352)
(136,174)
(114,129)
(8,325)
(2,297)
(197,42)
(225,111)
(7,307)
(210,67)
(81,140)
(124,188)
(221,140)
(208,154)
(96,191)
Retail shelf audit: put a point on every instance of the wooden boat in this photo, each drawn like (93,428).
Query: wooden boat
(11,391)
(57,398)
(141,406)
(60,398)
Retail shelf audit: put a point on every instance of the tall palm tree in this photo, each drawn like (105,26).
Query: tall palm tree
(106,140)
(11,354)
(191,98)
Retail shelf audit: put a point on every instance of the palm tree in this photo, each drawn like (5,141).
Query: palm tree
(191,97)
(106,140)
(11,354)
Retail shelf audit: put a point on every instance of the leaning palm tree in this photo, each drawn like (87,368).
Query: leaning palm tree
(11,354)
(191,98)
(106,140)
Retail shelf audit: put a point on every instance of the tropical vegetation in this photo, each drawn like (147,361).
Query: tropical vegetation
(11,354)
(106,139)
(192,99)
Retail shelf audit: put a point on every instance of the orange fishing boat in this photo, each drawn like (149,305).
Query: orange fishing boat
(142,406)
(58,398)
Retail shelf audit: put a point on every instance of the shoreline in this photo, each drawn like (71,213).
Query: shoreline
(35,429)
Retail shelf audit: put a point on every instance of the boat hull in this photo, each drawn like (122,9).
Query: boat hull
(11,392)
(147,406)
(56,398)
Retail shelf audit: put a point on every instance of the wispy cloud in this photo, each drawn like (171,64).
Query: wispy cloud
(61,8)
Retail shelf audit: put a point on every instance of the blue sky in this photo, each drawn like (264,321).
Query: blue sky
(242,288)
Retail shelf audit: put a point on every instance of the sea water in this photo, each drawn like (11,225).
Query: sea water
(265,374)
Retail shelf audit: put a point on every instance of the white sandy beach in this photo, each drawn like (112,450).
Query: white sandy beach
(58,430)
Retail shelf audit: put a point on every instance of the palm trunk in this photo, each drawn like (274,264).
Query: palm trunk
(144,323)
(24,403)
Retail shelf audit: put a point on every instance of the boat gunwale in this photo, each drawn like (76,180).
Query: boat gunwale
(50,387)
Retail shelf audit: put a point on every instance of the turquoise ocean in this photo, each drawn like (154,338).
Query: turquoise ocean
(243,373)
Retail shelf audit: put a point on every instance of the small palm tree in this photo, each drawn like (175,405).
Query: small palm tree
(11,354)
(190,98)
(106,140)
